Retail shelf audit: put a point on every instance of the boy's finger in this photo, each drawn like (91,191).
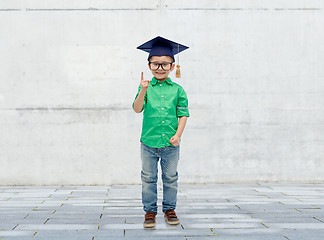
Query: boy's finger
(142,77)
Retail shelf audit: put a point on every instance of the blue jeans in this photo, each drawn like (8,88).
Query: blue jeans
(169,157)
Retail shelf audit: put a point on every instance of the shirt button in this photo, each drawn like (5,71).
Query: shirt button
(161,96)
(163,134)
(162,108)
(160,85)
(162,121)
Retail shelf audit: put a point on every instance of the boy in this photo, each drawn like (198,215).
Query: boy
(165,106)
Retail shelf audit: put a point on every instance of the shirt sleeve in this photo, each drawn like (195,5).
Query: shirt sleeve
(144,103)
(182,106)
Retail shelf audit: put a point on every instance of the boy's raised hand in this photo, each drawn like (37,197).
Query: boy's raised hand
(144,83)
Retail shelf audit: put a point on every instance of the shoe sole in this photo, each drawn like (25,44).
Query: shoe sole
(149,225)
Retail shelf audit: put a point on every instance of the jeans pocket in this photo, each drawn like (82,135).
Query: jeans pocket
(173,148)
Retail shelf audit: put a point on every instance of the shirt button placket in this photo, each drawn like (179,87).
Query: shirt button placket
(163,114)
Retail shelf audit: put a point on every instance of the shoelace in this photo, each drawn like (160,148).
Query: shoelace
(171,214)
(149,216)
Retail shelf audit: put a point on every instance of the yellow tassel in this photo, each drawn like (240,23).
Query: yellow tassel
(178,74)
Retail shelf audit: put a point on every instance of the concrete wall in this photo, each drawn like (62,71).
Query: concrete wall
(69,71)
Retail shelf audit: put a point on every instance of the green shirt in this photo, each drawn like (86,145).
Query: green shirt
(163,104)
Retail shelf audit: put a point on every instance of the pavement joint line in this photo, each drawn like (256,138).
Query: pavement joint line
(266,196)
(264,225)
(237,206)
(35,233)
(52,213)
(316,207)
(98,226)
(15,227)
(284,194)
(281,203)
(213,231)
(286,237)
(26,216)
(46,220)
(311,207)
(297,210)
(318,219)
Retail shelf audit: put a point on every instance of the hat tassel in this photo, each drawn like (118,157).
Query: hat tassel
(178,74)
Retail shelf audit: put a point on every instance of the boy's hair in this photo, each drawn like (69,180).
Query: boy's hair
(160,56)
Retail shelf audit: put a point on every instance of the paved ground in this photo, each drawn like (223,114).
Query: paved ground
(259,211)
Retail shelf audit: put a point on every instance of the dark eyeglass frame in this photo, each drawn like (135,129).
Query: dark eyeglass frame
(160,65)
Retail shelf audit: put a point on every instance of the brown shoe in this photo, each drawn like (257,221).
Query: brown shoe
(171,217)
(149,220)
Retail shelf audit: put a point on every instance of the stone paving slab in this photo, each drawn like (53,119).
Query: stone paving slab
(220,211)
(302,234)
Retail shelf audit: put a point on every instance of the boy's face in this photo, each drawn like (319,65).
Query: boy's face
(161,66)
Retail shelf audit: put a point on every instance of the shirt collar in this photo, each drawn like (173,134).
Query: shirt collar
(155,81)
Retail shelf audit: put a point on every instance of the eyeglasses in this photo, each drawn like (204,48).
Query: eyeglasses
(155,66)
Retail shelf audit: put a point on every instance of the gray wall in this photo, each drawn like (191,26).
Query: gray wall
(69,71)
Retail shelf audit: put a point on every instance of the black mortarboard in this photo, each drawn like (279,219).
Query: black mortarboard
(160,46)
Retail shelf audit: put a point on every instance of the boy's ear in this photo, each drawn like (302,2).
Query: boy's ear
(172,67)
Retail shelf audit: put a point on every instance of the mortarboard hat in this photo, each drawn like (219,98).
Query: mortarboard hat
(160,46)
